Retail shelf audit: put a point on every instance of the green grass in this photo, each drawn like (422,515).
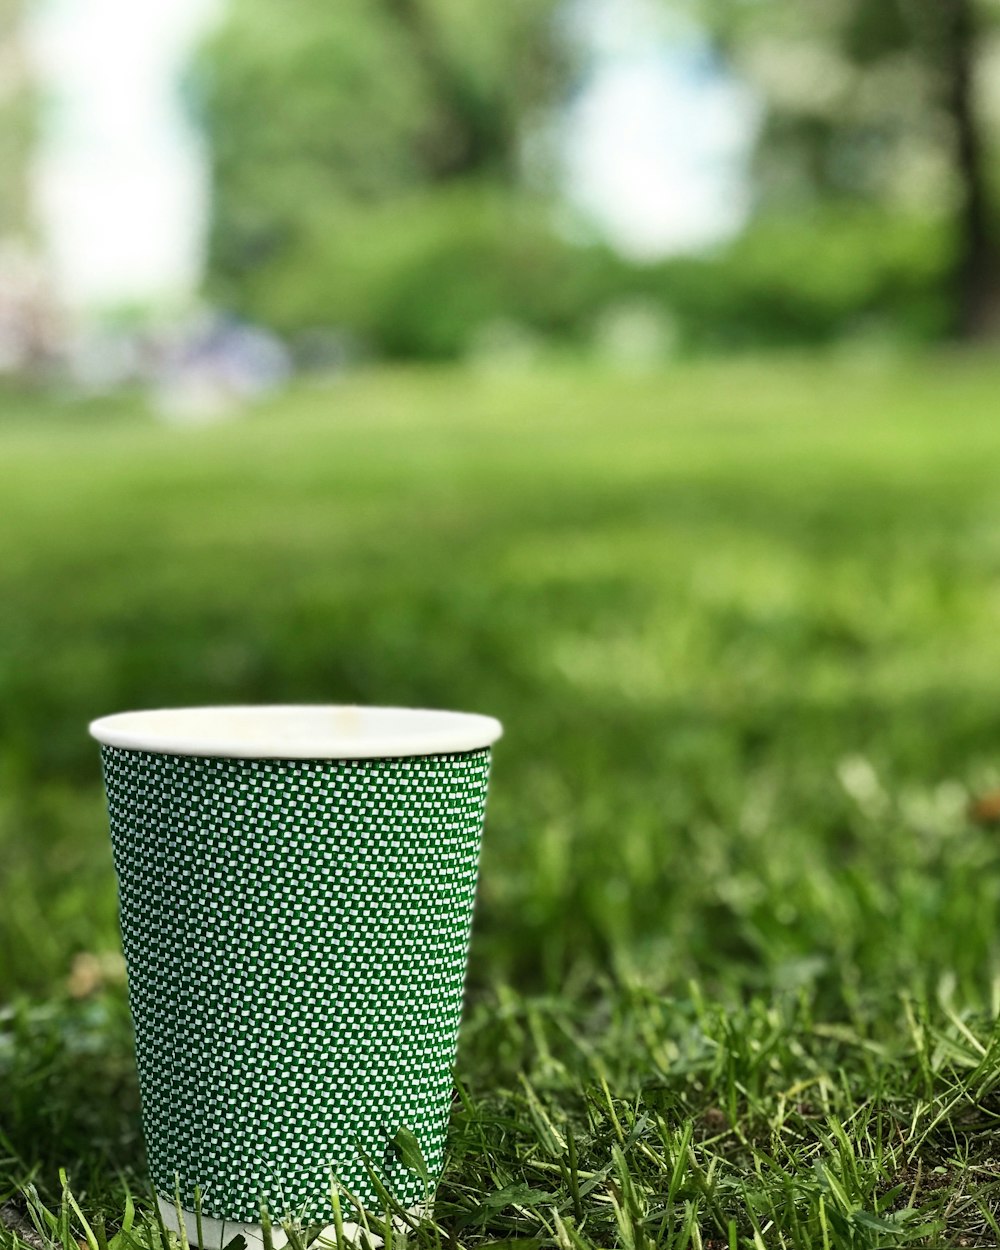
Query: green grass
(736,967)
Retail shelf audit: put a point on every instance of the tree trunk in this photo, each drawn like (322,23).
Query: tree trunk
(470,135)
(976,271)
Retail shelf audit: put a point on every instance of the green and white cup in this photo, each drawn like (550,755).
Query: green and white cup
(296,888)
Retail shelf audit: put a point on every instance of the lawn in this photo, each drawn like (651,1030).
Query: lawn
(736,966)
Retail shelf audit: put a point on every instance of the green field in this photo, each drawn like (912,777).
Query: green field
(736,965)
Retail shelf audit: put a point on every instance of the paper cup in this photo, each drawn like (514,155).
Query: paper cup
(296,888)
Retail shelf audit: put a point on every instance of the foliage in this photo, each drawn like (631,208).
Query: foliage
(424,275)
(733,979)
(857,96)
(320,109)
(879,104)
(369,176)
(18,124)
(438,274)
(831,275)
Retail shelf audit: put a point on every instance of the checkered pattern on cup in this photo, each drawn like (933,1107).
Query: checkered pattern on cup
(296,934)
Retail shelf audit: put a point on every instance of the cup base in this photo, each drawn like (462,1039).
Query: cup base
(217,1234)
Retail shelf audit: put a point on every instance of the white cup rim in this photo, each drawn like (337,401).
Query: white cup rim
(304,731)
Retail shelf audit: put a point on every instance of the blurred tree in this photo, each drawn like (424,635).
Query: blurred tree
(29,323)
(17,118)
(314,110)
(878,100)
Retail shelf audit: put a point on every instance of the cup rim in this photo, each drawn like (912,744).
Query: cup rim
(297,731)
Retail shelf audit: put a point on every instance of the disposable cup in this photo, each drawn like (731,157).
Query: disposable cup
(296,889)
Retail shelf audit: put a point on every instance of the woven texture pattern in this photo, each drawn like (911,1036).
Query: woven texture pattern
(296,936)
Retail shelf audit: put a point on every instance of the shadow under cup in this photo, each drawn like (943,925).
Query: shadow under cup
(296,889)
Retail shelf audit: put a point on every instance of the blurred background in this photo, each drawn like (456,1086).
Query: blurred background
(209,197)
(626,369)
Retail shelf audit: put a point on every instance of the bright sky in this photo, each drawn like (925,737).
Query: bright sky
(654,147)
(121,180)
